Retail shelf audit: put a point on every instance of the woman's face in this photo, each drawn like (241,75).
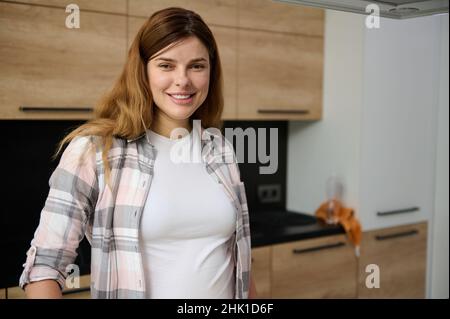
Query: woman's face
(179,79)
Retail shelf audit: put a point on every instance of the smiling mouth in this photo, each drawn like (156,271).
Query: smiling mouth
(182,99)
(181,96)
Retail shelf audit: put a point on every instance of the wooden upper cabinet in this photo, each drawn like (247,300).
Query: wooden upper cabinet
(217,12)
(134,24)
(47,65)
(400,253)
(226,39)
(280,76)
(282,17)
(314,268)
(111,6)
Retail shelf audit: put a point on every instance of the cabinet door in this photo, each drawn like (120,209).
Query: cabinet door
(217,12)
(282,17)
(398,123)
(83,292)
(46,65)
(400,254)
(315,268)
(112,6)
(226,39)
(279,76)
(261,270)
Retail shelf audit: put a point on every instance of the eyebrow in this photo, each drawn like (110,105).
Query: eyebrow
(172,60)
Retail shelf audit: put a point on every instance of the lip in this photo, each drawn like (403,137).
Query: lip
(182,102)
(181,93)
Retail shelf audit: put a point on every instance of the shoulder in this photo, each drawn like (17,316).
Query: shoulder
(94,144)
(77,165)
(78,149)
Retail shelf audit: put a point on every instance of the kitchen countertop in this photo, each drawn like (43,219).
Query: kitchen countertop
(275,227)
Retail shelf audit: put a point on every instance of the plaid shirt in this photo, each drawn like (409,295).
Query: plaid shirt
(80,204)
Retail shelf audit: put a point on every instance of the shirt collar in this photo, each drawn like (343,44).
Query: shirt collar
(140,137)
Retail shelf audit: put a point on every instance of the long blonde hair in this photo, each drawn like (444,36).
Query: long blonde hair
(127,110)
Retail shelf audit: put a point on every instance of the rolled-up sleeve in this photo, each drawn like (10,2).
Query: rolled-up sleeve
(68,207)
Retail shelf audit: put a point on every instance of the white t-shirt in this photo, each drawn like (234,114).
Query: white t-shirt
(186,230)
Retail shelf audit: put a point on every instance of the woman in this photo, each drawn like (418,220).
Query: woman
(158,228)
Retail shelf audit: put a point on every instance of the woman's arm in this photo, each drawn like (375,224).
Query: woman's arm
(63,222)
(43,289)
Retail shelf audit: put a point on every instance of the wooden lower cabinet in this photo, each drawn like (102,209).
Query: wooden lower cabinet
(326,267)
(323,267)
(261,271)
(400,254)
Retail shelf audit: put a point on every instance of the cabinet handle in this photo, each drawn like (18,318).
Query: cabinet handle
(274,111)
(399,211)
(54,109)
(397,235)
(322,247)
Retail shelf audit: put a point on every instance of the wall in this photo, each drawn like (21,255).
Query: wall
(440,224)
(339,130)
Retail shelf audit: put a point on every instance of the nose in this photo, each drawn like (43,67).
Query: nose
(182,78)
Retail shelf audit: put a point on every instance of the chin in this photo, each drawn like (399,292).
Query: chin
(180,116)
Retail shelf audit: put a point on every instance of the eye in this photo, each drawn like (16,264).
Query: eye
(164,66)
(198,66)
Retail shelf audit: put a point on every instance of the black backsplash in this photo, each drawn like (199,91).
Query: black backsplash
(250,173)
(27,148)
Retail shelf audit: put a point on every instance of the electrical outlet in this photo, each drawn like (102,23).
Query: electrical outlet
(269,193)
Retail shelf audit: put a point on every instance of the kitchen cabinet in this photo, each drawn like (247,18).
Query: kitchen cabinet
(326,267)
(400,255)
(379,131)
(322,267)
(110,6)
(215,12)
(226,39)
(398,125)
(63,72)
(267,75)
(52,72)
(281,17)
(261,271)
(279,76)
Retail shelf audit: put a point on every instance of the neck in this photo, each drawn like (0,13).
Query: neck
(164,126)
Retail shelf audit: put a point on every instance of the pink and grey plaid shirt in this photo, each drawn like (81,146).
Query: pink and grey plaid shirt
(80,204)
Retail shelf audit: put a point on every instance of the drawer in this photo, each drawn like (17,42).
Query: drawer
(324,267)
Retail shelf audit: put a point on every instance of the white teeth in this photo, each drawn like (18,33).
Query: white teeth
(181,96)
